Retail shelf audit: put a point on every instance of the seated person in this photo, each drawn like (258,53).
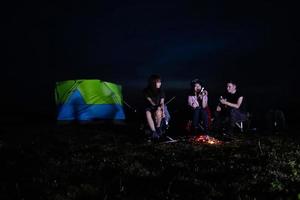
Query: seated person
(231,107)
(154,103)
(198,103)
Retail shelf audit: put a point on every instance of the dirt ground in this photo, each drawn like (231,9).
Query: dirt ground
(96,162)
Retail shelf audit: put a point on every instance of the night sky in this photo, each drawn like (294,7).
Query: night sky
(253,42)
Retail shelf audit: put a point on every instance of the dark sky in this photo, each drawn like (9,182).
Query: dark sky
(253,42)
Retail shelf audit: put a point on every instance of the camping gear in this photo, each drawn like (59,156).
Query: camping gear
(88,100)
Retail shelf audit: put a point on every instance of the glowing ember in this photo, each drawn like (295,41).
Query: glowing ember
(206,139)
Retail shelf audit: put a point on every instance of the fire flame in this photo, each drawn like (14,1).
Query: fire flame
(206,139)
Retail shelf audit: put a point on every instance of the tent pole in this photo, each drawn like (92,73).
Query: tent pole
(113,94)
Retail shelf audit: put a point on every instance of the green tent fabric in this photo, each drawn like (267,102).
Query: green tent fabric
(89,100)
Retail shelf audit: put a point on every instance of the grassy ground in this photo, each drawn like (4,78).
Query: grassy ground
(101,163)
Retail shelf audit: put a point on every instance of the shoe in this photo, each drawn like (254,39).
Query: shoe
(159,131)
(155,135)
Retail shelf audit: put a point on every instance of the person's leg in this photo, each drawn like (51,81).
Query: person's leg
(204,117)
(158,119)
(167,113)
(151,125)
(150,120)
(196,117)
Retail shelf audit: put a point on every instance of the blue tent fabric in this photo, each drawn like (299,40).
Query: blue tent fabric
(76,109)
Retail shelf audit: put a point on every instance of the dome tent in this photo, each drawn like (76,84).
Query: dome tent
(88,100)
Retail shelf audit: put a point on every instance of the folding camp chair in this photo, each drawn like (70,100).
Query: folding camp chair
(244,125)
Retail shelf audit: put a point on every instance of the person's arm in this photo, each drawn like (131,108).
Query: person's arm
(162,101)
(150,100)
(233,105)
(147,96)
(219,106)
(192,102)
(204,101)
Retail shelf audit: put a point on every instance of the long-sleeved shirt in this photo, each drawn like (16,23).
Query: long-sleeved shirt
(193,101)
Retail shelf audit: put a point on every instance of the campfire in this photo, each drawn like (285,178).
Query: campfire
(205,139)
